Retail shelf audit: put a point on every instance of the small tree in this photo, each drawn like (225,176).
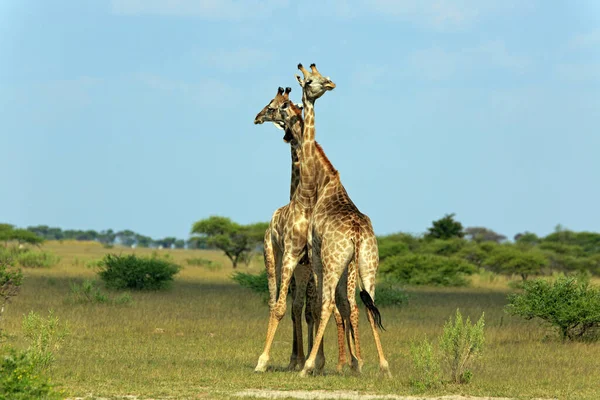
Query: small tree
(527,238)
(427,269)
(22,236)
(569,304)
(445,228)
(509,260)
(235,240)
(461,344)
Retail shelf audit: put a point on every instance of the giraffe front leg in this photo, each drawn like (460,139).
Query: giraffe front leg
(278,311)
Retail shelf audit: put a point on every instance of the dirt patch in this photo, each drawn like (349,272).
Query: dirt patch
(349,395)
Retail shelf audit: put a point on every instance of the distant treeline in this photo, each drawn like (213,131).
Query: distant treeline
(447,253)
(109,237)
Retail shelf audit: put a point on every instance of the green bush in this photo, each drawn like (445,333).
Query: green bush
(512,260)
(440,247)
(427,269)
(88,293)
(568,304)
(426,366)
(11,279)
(257,283)
(389,296)
(20,379)
(138,273)
(461,344)
(37,259)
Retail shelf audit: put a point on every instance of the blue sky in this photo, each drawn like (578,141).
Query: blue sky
(139,113)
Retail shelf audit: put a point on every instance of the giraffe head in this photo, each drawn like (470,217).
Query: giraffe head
(282,112)
(314,84)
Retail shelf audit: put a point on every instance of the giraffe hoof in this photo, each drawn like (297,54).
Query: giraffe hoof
(262,364)
(303,374)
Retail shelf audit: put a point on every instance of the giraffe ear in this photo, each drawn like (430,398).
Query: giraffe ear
(300,80)
(279,125)
(299,105)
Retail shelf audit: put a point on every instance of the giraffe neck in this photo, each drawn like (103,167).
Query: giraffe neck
(295,180)
(295,124)
(314,173)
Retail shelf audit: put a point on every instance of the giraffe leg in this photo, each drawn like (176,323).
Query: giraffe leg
(326,310)
(327,285)
(384,366)
(300,276)
(277,313)
(294,355)
(311,309)
(357,361)
(271,268)
(340,335)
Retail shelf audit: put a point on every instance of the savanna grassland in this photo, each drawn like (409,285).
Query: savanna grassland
(202,337)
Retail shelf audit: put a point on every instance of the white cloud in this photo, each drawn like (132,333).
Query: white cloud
(438,64)
(209,9)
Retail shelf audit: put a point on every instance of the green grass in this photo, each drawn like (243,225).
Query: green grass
(203,336)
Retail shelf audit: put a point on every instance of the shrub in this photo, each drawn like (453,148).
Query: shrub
(10,280)
(139,273)
(461,344)
(37,259)
(388,295)
(427,269)
(568,304)
(509,260)
(88,292)
(426,366)
(388,248)
(440,247)
(21,380)
(45,336)
(257,283)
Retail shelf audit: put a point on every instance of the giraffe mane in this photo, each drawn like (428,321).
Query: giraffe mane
(325,160)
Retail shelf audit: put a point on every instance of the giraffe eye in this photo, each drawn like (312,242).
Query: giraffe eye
(284,106)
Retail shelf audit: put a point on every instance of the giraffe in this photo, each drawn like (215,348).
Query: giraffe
(337,233)
(287,116)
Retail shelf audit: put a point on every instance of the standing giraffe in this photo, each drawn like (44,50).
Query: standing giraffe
(337,233)
(287,116)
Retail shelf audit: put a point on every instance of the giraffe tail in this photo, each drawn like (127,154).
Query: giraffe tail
(364,295)
(370,304)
